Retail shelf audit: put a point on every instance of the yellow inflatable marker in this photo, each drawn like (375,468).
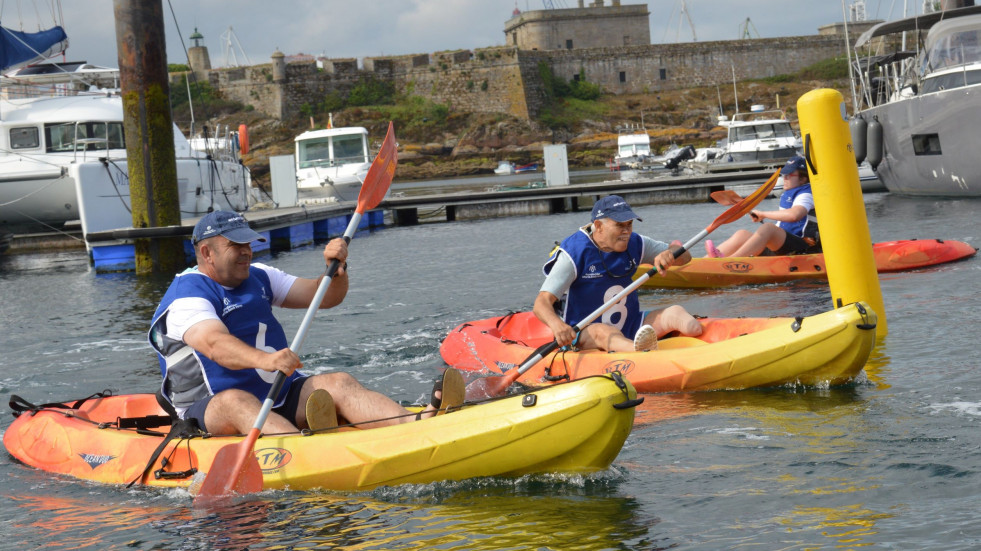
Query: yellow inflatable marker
(838,202)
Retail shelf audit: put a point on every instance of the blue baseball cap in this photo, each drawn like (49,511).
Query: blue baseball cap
(232,225)
(615,208)
(793,165)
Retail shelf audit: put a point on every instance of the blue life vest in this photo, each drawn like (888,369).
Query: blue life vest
(600,276)
(247,312)
(805,227)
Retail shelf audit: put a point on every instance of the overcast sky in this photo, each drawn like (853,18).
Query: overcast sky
(366,28)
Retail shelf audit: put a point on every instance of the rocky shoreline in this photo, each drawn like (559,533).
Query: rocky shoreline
(472,144)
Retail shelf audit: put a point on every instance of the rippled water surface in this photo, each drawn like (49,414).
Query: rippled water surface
(892,461)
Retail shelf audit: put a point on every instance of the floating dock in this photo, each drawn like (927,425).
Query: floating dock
(288,228)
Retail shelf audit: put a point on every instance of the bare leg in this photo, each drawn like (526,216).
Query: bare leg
(768,236)
(234,411)
(730,245)
(358,404)
(605,337)
(674,318)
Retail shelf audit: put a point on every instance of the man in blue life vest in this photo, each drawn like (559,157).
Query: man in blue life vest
(220,346)
(594,264)
(795,231)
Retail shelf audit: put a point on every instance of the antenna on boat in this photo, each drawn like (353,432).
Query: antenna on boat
(735,94)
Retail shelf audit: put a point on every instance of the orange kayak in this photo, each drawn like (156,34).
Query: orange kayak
(830,348)
(890,256)
(574,428)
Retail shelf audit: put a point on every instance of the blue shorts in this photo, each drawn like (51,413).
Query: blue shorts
(287,410)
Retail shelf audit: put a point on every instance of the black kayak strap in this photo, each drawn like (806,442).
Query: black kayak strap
(19,405)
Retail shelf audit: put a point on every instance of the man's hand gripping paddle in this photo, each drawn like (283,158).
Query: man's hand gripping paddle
(235,469)
(487,387)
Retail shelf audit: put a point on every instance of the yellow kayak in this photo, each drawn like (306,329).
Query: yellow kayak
(572,428)
(732,353)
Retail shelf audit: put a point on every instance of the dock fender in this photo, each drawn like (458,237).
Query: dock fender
(874,147)
(859,129)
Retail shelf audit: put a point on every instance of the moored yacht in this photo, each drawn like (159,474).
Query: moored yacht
(921,109)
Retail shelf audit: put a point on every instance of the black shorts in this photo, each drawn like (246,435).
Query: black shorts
(287,410)
(796,245)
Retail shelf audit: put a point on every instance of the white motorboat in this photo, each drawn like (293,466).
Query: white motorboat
(331,164)
(504,168)
(633,150)
(921,109)
(756,140)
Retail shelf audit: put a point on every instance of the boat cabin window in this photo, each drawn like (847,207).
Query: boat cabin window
(957,48)
(762,132)
(313,153)
(25,137)
(349,149)
(951,80)
(83,136)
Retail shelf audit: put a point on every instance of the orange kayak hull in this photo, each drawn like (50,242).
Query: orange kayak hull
(891,256)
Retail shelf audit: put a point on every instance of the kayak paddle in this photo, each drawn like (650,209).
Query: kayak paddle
(235,469)
(487,387)
(726,197)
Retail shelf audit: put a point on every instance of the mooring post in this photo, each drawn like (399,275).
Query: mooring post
(149,132)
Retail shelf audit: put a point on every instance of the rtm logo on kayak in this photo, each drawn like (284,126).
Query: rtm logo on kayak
(273,459)
(738,267)
(623,366)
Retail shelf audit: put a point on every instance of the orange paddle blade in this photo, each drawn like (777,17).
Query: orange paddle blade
(235,470)
(380,174)
(743,207)
(726,197)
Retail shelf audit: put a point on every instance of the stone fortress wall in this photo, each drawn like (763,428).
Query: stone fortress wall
(608,45)
(506,79)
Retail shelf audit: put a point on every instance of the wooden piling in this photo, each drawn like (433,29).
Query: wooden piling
(148,125)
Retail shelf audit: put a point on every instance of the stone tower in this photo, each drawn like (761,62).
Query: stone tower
(198,56)
(595,26)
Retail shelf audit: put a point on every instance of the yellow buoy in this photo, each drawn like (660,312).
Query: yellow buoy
(838,202)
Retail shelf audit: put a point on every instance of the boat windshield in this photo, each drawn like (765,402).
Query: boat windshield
(959,46)
(766,131)
(349,149)
(83,136)
(315,152)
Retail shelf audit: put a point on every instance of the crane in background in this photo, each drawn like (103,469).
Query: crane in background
(682,17)
(227,49)
(744,30)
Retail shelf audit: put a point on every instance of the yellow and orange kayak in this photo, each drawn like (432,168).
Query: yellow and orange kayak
(830,348)
(574,428)
(891,256)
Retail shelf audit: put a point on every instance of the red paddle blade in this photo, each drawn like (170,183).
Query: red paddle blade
(235,470)
(380,174)
(743,207)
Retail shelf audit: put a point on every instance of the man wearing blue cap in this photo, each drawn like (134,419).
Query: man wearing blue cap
(594,264)
(220,346)
(795,231)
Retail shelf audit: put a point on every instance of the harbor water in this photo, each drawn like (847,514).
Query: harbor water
(892,461)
